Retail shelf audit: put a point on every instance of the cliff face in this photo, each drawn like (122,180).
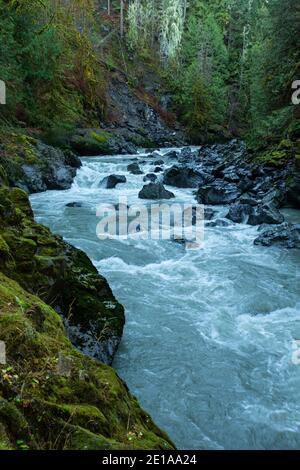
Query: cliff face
(52,396)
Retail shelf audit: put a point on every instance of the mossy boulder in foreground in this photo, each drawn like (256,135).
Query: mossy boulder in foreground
(54,397)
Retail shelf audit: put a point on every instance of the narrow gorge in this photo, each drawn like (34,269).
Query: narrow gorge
(142,343)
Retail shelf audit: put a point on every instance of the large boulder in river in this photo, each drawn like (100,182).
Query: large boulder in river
(285,235)
(218,193)
(111,181)
(239,213)
(155,191)
(182,177)
(134,169)
(265,214)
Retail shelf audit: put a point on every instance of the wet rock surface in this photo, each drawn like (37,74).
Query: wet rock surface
(226,174)
(155,191)
(284,236)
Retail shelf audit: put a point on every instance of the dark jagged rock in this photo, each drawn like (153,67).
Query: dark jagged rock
(182,177)
(155,191)
(265,214)
(276,197)
(245,184)
(158,162)
(217,193)
(239,213)
(150,177)
(248,199)
(134,169)
(230,175)
(111,181)
(285,236)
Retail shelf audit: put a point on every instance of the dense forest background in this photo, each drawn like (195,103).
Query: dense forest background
(228,65)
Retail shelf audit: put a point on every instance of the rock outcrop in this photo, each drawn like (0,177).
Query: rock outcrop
(34,167)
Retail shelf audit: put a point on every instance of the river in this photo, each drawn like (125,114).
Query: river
(209,338)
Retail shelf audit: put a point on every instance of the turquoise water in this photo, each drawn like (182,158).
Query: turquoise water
(208,342)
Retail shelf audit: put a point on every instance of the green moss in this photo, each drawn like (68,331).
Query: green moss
(5,444)
(4,248)
(101,137)
(285,144)
(276,158)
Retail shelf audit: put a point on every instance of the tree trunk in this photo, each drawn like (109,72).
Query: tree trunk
(108,8)
(122,18)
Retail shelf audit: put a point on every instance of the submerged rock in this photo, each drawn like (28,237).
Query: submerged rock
(74,204)
(110,182)
(285,235)
(155,191)
(209,213)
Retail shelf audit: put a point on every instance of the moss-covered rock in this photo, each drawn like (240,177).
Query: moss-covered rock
(92,142)
(33,166)
(61,275)
(54,397)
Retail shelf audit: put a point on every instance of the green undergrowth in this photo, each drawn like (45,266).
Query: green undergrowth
(278,155)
